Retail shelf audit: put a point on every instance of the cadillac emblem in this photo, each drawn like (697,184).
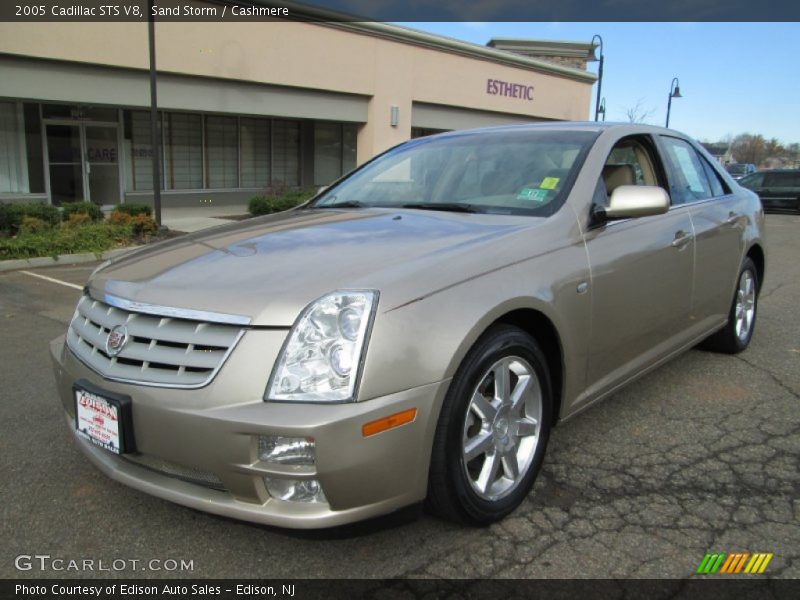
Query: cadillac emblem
(116,340)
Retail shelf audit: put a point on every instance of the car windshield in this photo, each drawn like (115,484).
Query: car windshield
(736,169)
(501,172)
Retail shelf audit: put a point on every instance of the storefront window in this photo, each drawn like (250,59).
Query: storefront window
(13,164)
(183,138)
(228,152)
(286,146)
(33,142)
(349,147)
(139,150)
(222,153)
(255,152)
(334,151)
(327,152)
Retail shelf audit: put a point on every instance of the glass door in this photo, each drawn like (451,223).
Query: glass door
(102,164)
(65,163)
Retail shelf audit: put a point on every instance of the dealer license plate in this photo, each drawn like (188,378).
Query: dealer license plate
(98,420)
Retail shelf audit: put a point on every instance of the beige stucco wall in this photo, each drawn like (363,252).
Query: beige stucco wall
(314,56)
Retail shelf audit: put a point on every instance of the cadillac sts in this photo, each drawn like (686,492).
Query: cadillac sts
(415,331)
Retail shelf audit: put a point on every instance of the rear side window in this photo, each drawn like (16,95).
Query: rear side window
(753,182)
(782,180)
(688,181)
(718,188)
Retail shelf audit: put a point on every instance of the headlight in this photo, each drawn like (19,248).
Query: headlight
(321,359)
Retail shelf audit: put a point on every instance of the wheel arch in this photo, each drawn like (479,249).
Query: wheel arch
(756,254)
(536,320)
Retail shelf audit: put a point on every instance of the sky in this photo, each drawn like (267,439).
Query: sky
(734,77)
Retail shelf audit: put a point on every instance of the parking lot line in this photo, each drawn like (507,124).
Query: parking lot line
(52,280)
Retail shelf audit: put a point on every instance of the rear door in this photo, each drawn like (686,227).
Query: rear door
(719,222)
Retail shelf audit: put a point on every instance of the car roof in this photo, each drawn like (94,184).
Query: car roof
(592,126)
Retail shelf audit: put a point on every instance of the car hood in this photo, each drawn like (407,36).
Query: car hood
(269,268)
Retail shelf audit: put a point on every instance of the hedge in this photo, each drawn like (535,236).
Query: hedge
(264,205)
(135,208)
(91,237)
(11,215)
(87,208)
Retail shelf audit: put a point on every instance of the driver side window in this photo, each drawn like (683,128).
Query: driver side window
(630,162)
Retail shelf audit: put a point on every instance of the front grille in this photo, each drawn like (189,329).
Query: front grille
(162,351)
(176,471)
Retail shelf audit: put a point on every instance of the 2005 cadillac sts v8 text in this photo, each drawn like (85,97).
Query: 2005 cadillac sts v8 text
(413,332)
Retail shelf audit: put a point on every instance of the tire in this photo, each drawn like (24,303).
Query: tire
(736,335)
(483,431)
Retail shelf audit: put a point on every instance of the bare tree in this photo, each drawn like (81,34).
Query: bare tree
(638,113)
(774,148)
(749,148)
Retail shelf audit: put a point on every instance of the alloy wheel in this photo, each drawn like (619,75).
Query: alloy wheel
(501,428)
(745,305)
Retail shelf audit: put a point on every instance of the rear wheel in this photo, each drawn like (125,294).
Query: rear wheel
(493,429)
(736,335)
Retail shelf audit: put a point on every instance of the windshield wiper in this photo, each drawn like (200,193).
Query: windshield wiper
(344,204)
(445,206)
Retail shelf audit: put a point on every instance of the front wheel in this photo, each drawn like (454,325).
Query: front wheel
(736,335)
(493,429)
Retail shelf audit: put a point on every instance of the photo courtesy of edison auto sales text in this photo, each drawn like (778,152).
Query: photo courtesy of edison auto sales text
(126,589)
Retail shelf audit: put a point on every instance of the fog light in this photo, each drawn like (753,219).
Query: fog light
(295,490)
(286,450)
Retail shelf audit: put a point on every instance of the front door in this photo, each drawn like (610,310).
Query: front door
(102,164)
(83,162)
(642,273)
(65,159)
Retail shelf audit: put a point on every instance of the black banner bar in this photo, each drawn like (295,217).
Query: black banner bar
(402,10)
(752,587)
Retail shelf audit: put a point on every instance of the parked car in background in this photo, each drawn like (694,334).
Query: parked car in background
(779,189)
(416,330)
(739,170)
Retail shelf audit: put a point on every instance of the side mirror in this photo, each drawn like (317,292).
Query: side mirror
(631,201)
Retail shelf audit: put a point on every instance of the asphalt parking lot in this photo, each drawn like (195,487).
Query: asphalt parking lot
(701,455)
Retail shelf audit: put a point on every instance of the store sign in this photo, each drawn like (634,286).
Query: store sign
(496,87)
(106,154)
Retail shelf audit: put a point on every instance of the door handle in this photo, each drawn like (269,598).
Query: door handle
(681,239)
(732,219)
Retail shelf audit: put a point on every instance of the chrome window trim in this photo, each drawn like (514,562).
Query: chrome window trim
(171,311)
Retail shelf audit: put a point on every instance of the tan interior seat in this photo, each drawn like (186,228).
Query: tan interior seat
(617,175)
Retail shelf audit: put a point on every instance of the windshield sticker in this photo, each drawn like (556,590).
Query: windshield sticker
(532,194)
(549,183)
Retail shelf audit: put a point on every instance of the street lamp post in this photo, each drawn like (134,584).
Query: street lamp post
(599,72)
(603,108)
(674,92)
(151,36)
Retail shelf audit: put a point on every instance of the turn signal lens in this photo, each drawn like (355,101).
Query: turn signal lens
(390,422)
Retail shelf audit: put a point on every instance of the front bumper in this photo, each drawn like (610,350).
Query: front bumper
(211,434)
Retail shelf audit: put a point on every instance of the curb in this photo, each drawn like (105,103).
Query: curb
(63,259)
